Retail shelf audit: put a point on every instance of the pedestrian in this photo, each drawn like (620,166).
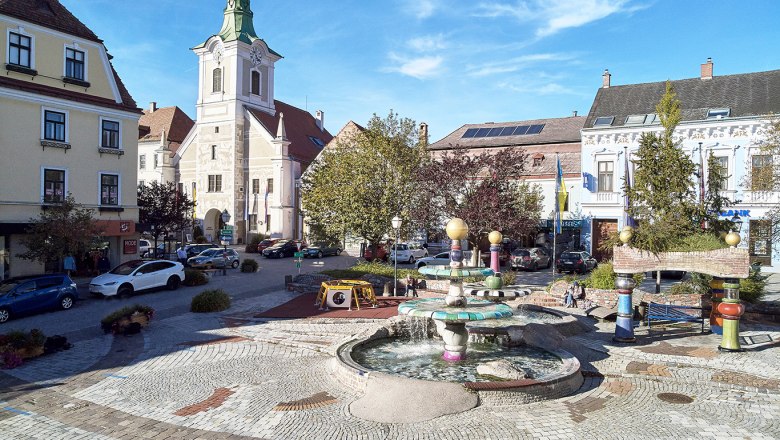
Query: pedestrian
(69,264)
(181,254)
(104,264)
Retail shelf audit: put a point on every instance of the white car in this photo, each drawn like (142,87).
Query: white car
(143,247)
(443,259)
(137,275)
(408,252)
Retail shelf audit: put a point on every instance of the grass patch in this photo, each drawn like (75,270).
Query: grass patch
(370,268)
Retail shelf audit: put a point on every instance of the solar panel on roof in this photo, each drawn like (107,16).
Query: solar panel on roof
(521,129)
(482,132)
(603,120)
(507,131)
(535,129)
(495,131)
(470,133)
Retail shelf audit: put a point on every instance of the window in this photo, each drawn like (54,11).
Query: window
(270,186)
(635,119)
(718,113)
(606,171)
(141,183)
(213,152)
(109,189)
(761,174)
(19,49)
(255,82)
(217,80)
(54,126)
(110,134)
(215,183)
(180,188)
(267,223)
(74,64)
(537,161)
(603,120)
(252,222)
(652,118)
(255,186)
(53,186)
(760,242)
(142,162)
(156,161)
(723,161)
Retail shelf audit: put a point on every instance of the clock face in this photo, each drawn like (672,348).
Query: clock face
(255,55)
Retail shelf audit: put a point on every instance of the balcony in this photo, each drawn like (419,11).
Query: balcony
(761,197)
(608,198)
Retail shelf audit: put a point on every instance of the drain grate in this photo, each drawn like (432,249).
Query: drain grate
(675,398)
(315,401)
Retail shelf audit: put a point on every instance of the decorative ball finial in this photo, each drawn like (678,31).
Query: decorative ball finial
(733,239)
(495,237)
(457,229)
(626,234)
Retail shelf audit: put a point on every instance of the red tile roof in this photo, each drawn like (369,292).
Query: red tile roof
(47,13)
(173,120)
(299,125)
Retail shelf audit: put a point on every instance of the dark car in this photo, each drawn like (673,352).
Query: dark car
(579,262)
(266,244)
(30,294)
(319,250)
(530,259)
(503,257)
(283,248)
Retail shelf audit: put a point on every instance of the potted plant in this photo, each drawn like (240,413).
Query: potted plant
(123,320)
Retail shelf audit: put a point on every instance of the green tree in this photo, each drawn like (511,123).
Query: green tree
(361,183)
(62,228)
(163,208)
(766,178)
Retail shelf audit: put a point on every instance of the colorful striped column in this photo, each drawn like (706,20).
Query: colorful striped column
(716,320)
(624,326)
(731,310)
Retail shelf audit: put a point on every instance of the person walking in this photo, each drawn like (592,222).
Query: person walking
(104,264)
(69,264)
(181,254)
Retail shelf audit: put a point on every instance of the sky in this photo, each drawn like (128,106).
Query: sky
(443,62)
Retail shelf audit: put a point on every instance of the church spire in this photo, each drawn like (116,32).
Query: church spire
(237,24)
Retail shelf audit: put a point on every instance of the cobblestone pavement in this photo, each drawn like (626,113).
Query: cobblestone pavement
(229,375)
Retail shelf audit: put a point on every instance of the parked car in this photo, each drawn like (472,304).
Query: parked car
(195,249)
(579,262)
(408,252)
(503,257)
(376,253)
(144,246)
(530,259)
(321,249)
(214,257)
(283,248)
(441,259)
(163,251)
(266,244)
(30,294)
(137,275)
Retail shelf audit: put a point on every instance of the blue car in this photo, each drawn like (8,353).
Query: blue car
(30,294)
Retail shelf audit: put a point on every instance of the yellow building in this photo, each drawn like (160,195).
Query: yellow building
(67,125)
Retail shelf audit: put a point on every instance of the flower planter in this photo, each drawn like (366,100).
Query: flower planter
(127,320)
(30,352)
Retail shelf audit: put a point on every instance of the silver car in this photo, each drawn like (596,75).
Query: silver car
(530,259)
(214,257)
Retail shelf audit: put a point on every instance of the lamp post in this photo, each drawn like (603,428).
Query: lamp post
(225,220)
(396,222)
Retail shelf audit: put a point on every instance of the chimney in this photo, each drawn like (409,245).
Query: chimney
(574,113)
(605,79)
(424,134)
(321,120)
(706,69)
(152,107)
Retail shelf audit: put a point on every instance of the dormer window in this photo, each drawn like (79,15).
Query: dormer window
(603,121)
(718,113)
(537,158)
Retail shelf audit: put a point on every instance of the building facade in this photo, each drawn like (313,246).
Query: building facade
(247,150)
(726,116)
(67,126)
(160,134)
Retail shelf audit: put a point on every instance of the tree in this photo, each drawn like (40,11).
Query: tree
(485,190)
(362,182)
(766,178)
(61,229)
(164,209)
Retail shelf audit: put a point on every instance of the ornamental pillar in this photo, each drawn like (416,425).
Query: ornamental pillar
(624,326)
(716,320)
(730,309)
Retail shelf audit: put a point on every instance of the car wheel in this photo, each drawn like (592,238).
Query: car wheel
(419,265)
(66,302)
(319,254)
(549,263)
(173,283)
(124,291)
(411,259)
(5,315)
(235,264)
(338,252)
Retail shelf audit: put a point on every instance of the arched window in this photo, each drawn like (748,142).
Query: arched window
(255,82)
(217,77)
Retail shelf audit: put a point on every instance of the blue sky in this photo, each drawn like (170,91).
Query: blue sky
(444,62)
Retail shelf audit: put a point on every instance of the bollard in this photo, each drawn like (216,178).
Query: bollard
(287,281)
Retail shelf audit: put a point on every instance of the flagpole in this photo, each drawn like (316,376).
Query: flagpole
(555,218)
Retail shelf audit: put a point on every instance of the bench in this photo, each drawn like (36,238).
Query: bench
(212,272)
(668,312)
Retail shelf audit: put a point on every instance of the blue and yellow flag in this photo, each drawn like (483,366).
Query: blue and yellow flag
(560,191)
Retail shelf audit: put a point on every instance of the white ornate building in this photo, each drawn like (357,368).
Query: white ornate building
(247,150)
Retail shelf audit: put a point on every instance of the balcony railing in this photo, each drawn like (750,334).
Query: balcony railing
(608,197)
(761,197)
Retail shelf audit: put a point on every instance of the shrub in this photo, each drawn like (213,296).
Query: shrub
(110,323)
(372,268)
(508,277)
(751,289)
(200,239)
(603,277)
(213,300)
(11,359)
(249,265)
(194,277)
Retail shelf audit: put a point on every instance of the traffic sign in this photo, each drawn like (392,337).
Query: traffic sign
(226,231)
(227,227)
(226,237)
(298,255)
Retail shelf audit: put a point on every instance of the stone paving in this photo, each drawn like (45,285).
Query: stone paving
(231,375)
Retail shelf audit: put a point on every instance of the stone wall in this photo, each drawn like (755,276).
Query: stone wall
(724,263)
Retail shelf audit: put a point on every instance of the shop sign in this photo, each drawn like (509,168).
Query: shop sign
(130,247)
(731,212)
(567,224)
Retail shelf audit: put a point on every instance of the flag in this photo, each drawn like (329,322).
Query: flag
(627,220)
(560,195)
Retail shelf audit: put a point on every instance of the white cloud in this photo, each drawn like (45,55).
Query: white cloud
(420,67)
(421,9)
(556,15)
(515,64)
(536,88)
(427,43)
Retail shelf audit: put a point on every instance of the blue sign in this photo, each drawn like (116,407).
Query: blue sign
(731,212)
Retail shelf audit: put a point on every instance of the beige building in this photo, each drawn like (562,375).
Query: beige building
(247,150)
(67,125)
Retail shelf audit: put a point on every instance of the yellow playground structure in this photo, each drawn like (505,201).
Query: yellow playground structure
(342,294)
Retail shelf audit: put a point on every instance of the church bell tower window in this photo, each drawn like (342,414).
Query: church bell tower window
(217,80)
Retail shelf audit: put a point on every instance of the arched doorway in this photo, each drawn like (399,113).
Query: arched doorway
(212,223)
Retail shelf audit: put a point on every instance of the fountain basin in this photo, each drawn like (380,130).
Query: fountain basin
(435,308)
(449,272)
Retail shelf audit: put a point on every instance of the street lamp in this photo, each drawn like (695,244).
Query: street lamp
(396,222)
(225,220)
(737,222)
